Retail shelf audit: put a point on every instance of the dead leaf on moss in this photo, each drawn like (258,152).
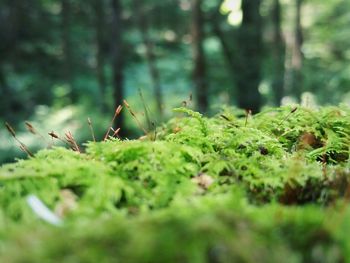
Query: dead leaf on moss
(68,203)
(203,180)
(308,140)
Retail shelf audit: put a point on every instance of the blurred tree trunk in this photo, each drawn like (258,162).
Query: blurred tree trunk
(117,59)
(227,50)
(199,71)
(278,54)
(297,55)
(5,92)
(100,41)
(228,41)
(3,85)
(67,46)
(248,64)
(12,29)
(142,21)
(11,105)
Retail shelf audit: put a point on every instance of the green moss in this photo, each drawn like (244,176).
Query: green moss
(202,190)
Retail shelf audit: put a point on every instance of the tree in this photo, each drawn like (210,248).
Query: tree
(100,43)
(117,59)
(67,46)
(278,53)
(143,25)
(297,55)
(248,63)
(199,71)
(215,20)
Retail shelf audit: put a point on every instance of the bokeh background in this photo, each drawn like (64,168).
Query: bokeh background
(62,61)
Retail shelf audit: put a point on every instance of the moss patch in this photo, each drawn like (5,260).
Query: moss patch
(221,189)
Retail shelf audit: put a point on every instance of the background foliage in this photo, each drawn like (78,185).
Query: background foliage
(65,60)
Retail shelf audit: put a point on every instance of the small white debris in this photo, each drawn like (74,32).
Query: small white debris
(42,211)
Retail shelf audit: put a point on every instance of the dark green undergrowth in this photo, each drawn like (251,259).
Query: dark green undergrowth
(266,188)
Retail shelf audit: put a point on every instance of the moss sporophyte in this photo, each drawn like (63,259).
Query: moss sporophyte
(197,189)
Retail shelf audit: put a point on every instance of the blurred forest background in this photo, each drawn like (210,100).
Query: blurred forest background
(62,61)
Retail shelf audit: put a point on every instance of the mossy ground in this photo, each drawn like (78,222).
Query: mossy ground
(268,188)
